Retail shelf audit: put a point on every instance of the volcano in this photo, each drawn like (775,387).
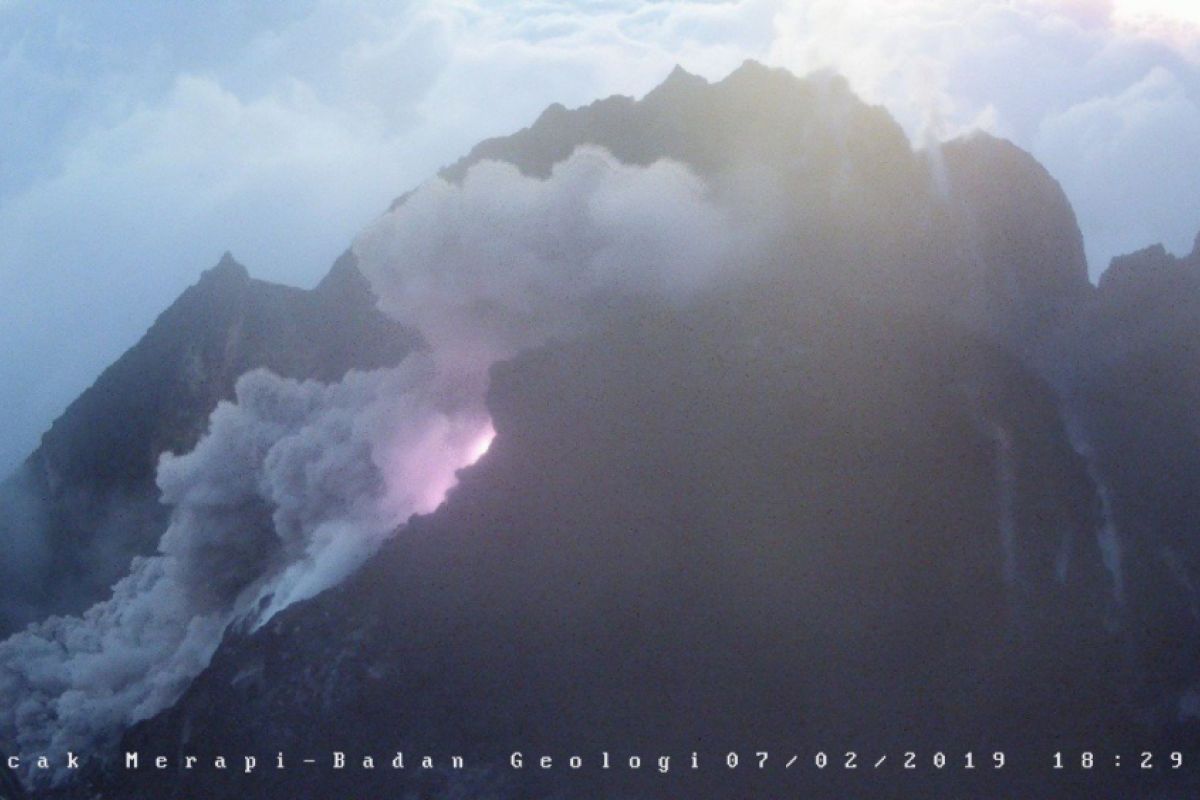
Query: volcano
(806,443)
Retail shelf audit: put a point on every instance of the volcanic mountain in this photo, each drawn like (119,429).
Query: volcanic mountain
(894,478)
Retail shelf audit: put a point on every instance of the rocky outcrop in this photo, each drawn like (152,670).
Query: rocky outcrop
(1024,252)
(637,564)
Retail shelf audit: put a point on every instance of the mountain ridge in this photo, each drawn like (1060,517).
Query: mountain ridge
(90,483)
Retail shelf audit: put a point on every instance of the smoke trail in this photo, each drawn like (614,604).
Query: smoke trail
(296,484)
(1108,536)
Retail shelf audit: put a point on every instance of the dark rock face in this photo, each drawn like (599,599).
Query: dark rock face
(1136,389)
(634,567)
(89,492)
(1026,252)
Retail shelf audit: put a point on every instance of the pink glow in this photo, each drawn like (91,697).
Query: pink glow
(421,470)
(482,444)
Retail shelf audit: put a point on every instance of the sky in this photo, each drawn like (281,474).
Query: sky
(142,140)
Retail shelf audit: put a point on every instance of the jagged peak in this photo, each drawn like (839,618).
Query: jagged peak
(831,82)
(985,149)
(681,78)
(551,111)
(751,68)
(227,269)
(780,86)
(1155,254)
(1138,267)
(755,74)
(678,73)
(680,81)
(344,279)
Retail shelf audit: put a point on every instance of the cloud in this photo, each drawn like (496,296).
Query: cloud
(1028,70)
(1129,161)
(144,148)
(203,167)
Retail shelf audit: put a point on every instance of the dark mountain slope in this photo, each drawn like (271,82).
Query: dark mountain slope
(759,533)
(88,491)
(1025,260)
(1136,389)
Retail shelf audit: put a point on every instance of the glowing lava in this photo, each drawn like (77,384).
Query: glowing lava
(421,470)
(482,444)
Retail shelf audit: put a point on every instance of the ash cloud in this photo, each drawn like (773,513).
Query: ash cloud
(505,260)
(294,485)
(297,483)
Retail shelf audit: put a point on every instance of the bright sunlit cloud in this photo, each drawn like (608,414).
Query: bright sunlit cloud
(1163,10)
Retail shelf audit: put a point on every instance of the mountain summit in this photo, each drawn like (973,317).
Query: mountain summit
(975,227)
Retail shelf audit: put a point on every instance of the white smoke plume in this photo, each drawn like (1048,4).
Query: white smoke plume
(296,484)
(505,261)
